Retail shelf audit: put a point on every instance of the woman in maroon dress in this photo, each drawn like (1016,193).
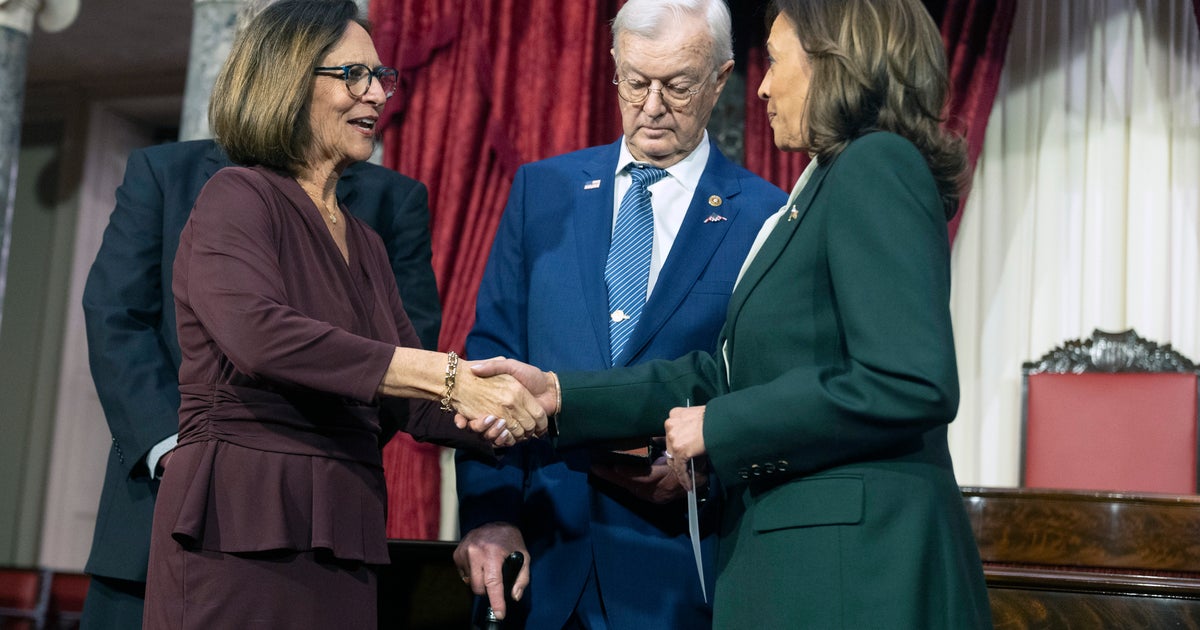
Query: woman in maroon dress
(292,334)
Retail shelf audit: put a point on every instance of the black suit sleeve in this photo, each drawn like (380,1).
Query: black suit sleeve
(397,207)
(411,257)
(132,365)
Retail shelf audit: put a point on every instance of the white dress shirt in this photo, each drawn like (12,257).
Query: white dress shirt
(670,198)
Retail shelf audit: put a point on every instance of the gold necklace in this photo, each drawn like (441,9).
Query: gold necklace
(319,202)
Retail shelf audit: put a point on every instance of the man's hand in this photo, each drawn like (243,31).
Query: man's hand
(655,483)
(685,441)
(479,557)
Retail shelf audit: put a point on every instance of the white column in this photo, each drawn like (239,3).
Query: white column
(214,25)
(16,22)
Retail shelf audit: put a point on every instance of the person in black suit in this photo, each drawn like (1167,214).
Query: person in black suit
(134,353)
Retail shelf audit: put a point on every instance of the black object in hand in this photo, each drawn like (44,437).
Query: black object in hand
(508,573)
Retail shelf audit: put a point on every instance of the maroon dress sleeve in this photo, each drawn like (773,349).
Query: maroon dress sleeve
(236,271)
(424,420)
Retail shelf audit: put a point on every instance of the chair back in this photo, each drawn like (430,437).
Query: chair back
(68,590)
(23,595)
(1113,412)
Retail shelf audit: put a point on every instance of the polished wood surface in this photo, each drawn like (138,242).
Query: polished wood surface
(1054,559)
(1096,560)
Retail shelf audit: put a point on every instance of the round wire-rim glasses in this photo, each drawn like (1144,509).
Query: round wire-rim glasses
(636,91)
(355,73)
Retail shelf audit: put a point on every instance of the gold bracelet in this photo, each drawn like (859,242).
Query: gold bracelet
(553,420)
(557,393)
(451,376)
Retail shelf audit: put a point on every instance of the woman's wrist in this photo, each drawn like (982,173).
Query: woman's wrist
(417,373)
(552,417)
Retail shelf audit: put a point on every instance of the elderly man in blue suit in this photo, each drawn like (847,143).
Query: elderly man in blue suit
(607,543)
(134,353)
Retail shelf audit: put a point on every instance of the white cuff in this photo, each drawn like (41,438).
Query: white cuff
(157,451)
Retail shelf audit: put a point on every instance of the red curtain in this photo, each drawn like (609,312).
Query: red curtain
(486,86)
(976,36)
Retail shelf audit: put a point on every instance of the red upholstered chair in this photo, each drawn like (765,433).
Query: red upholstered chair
(23,595)
(67,592)
(1113,412)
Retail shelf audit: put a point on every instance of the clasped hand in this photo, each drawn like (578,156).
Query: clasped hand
(504,401)
(684,427)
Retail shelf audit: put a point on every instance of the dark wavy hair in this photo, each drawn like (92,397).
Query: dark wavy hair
(877,65)
(260,102)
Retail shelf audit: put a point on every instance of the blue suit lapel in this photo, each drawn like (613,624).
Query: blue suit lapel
(695,245)
(593,210)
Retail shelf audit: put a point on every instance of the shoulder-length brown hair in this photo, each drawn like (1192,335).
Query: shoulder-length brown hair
(260,101)
(877,65)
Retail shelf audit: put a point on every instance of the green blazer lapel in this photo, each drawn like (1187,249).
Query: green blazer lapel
(774,245)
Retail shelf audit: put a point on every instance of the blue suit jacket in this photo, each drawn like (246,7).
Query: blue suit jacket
(130,317)
(543,300)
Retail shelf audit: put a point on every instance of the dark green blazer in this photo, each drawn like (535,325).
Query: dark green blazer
(828,427)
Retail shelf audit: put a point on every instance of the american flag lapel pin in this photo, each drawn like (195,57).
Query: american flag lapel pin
(715,201)
(592,185)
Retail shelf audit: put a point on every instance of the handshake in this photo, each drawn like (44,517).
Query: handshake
(503,400)
(506,401)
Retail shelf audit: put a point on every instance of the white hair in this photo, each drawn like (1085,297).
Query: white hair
(648,19)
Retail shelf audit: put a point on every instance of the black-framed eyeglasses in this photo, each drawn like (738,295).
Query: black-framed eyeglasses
(636,91)
(358,77)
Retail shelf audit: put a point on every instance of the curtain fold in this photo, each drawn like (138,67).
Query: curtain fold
(486,87)
(975,33)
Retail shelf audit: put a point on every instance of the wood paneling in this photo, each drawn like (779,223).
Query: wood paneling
(1095,560)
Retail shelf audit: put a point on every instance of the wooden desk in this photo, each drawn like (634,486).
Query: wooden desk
(1053,559)
(1094,560)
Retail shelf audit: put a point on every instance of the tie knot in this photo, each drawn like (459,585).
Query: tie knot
(644,175)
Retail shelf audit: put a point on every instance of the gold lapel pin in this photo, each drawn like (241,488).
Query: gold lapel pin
(715,201)
(793,214)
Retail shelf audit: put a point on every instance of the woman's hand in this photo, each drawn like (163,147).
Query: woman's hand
(539,386)
(494,430)
(497,407)
(685,440)
(497,394)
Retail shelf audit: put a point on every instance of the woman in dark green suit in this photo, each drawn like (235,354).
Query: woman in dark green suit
(824,412)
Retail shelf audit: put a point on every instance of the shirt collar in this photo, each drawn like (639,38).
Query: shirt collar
(802,181)
(687,171)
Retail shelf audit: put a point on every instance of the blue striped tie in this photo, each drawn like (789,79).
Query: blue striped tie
(628,267)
